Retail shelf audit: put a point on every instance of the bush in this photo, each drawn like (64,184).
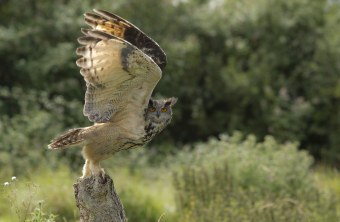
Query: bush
(232,179)
(261,67)
(24,135)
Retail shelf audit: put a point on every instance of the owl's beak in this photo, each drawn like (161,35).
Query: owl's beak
(158,114)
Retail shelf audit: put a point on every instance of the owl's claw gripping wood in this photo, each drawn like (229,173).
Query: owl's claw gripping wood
(121,67)
(91,168)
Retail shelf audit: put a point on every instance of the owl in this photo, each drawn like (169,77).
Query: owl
(121,67)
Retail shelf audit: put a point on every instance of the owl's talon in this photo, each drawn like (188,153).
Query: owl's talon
(102,173)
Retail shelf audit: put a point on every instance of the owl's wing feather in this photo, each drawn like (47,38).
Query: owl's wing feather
(114,25)
(119,77)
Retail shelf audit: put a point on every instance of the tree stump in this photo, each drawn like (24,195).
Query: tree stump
(97,200)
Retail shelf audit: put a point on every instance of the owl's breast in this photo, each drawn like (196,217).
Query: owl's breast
(108,138)
(151,130)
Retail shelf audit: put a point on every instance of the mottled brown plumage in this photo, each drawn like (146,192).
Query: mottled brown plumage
(121,66)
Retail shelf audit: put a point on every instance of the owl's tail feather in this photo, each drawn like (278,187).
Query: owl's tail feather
(70,138)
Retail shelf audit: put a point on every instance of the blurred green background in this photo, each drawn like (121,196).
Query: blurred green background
(268,69)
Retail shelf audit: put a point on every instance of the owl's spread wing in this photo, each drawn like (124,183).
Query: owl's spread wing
(114,25)
(119,77)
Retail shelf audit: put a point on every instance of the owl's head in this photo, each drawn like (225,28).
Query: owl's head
(159,111)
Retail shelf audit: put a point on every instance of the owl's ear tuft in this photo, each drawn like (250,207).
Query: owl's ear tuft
(171,101)
(151,103)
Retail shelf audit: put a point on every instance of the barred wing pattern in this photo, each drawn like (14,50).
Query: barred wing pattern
(120,77)
(114,25)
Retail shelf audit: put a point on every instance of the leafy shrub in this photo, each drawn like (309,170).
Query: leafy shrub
(261,67)
(232,179)
(32,123)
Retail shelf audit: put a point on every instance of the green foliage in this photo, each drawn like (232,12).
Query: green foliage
(55,188)
(232,179)
(38,215)
(146,193)
(21,197)
(262,67)
(24,136)
(328,178)
(265,183)
(144,198)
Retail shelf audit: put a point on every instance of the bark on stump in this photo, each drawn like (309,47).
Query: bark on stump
(97,200)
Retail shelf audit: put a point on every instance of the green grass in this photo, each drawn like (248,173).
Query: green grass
(47,190)
(148,192)
(328,179)
(146,195)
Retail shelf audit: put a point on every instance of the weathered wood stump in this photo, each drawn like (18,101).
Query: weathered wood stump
(97,200)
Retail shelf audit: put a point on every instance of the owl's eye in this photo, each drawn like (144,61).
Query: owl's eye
(164,110)
(152,109)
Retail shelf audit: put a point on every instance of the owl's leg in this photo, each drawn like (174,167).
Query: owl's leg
(96,169)
(86,169)
(92,166)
